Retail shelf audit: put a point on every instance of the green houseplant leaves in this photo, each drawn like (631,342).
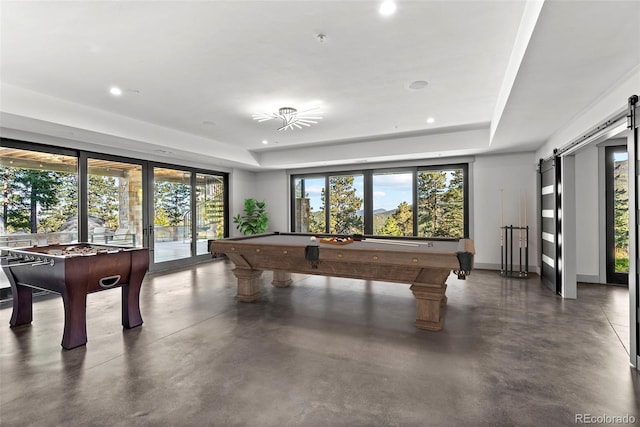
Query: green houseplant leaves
(255,218)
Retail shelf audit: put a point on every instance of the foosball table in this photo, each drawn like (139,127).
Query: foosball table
(73,271)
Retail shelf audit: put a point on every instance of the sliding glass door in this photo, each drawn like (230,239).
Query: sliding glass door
(171,232)
(40,196)
(55,195)
(210,212)
(114,202)
(188,209)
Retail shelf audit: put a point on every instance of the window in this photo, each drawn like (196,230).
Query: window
(58,195)
(308,205)
(40,197)
(426,202)
(346,197)
(393,204)
(441,203)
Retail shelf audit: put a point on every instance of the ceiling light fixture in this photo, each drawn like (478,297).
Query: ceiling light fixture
(115,91)
(291,118)
(431,120)
(387,8)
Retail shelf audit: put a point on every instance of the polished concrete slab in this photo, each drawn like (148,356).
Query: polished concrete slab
(326,351)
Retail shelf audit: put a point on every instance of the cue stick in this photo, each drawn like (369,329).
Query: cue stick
(388,242)
(520,235)
(502,253)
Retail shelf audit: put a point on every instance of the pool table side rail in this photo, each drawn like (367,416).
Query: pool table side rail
(390,264)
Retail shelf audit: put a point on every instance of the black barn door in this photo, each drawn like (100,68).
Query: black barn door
(550,223)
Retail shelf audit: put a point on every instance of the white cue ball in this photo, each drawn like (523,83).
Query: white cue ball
(313,238)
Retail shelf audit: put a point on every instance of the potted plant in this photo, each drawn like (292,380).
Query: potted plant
(255,218)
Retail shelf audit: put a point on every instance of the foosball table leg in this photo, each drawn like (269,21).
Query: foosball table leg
(22,305)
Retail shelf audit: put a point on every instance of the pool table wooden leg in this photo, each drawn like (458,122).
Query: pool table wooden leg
(281,279)
(428,307)
(429,290)
(248,284)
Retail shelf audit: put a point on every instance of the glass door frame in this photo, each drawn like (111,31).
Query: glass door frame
(83,156)
(612,276)
(148,189)
(83,208)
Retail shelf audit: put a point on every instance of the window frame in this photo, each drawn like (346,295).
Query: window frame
(82,157)
(368,194)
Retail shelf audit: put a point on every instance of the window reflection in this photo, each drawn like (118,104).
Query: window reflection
(40,198)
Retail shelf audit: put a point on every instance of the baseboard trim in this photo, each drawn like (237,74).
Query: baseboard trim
(486,266)
(489,266)
(588,278)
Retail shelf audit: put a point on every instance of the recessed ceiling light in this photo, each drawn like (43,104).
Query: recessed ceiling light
(265,142)
(115,91)
(418,84)
(431,120)
(387,8)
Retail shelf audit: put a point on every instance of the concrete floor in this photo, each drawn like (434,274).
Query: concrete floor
(326,351)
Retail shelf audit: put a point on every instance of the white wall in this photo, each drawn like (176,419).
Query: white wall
(612,101)
(273,188)
(587,215)
(503,179)
(241,186)
(270,186)
(515,173)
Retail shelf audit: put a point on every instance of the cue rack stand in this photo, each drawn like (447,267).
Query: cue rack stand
(507,247)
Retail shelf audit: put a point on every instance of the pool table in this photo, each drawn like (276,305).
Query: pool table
(425,264)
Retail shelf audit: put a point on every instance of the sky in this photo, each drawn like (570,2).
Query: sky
(389,190)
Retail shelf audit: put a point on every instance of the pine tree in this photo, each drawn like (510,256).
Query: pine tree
(399,223)
(452,224)
(404,218)
(104,199)
(391,227)
(344,206)
(441,203)
(621,216)
(317,221)
(52,219)
(30,191)
(173,199)
(431,186)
